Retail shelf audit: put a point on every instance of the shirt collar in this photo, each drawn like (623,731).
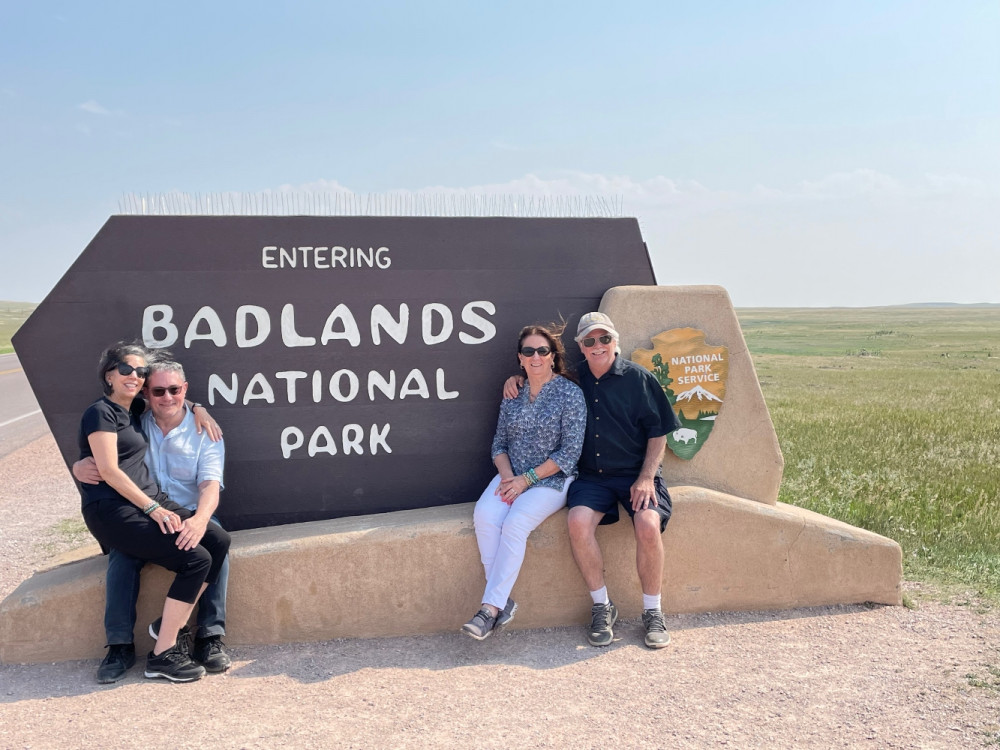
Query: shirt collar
(617,368)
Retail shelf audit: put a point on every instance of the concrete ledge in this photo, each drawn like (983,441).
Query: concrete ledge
(418,571)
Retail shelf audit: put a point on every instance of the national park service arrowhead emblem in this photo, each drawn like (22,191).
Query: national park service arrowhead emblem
(693,374)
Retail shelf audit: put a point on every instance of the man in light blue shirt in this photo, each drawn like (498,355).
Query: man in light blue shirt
(188,467)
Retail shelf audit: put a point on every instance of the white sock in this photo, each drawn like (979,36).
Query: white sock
(650,601)
(600,596)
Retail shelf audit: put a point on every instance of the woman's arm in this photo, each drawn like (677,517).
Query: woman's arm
(204,421)
(104,446)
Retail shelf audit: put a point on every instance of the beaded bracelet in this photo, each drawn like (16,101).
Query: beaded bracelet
(534,476)
(151,508)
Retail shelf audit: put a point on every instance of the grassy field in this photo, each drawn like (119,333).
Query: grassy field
(888,418)
(12,314)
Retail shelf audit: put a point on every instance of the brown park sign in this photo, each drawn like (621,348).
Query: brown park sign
(693,374)
(355,363)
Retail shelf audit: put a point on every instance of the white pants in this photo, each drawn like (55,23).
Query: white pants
(502,532)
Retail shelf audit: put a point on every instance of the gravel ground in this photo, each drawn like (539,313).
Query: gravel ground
(844,676)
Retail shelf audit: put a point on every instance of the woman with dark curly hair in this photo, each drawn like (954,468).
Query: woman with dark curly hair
(127,511)
(538,440)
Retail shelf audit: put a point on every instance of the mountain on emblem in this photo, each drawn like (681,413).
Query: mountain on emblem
(698,393)
(693,376)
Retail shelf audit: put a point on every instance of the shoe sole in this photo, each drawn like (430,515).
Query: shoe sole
(611,634)
(662,644)
(172,678)
(477,637)
(109,681)
(501,625)
(215,669)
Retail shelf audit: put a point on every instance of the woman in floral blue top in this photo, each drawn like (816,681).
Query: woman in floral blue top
(537,444)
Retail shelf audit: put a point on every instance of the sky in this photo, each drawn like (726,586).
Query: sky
(797,154)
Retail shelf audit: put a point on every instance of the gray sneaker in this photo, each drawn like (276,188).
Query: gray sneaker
(656,629)
(481,625)
(506,615)
(603,617)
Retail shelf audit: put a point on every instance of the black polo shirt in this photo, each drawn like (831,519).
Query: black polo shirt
(625,408)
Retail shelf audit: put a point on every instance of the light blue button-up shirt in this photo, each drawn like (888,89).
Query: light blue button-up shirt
(181,459)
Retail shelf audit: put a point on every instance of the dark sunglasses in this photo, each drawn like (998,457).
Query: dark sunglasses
(530,351)
(173,390)
(125,369)
(590,340)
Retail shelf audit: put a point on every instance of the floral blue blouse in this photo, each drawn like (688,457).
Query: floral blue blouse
(551,427)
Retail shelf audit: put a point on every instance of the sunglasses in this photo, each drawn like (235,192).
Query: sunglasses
(590,340)
(125,369)
(530,351)
(173,390)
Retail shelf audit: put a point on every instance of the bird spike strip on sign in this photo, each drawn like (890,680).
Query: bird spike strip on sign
(355,363)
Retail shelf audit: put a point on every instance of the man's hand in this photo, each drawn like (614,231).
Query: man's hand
(643,494)
(512,385)
(85,470)
(192,530)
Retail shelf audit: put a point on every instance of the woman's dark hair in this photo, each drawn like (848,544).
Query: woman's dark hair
(114,355)
(552,333)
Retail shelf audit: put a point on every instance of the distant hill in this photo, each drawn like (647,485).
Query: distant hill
(950,304)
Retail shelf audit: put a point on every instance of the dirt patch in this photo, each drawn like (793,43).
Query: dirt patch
(820,677)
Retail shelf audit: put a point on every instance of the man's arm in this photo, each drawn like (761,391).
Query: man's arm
(644,489)
(85,471)
(211,458)
(193,529)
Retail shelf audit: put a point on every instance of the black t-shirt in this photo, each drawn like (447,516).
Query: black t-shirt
(625,408)
(107,416)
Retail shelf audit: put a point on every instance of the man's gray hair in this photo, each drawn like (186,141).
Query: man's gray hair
(163,361)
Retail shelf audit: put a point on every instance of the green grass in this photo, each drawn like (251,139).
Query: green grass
(889,419)
(12,315)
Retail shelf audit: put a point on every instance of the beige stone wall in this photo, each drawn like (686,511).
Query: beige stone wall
(419,572)
(742,456)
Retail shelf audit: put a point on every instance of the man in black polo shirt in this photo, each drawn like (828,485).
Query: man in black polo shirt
(628,418)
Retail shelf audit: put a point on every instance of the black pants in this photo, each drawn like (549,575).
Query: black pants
(120,525)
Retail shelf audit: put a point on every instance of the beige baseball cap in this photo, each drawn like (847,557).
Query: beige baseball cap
(593,320)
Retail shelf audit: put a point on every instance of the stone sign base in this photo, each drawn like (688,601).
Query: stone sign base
(418,571)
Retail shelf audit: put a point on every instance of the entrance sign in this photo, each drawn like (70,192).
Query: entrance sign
(693,374)
(355,363)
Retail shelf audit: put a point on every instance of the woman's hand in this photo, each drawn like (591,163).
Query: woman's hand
(167,521)
(204,421)
(511,489)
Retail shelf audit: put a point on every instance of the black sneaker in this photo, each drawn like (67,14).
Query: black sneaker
(602,619)
(481,625)
(656,629)
(174,665)
(210,654)
(506,615)
(119,659)
(183,635)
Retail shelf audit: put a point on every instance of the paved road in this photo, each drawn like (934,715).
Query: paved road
(21,420)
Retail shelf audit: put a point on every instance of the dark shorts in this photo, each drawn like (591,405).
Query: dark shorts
(605,494)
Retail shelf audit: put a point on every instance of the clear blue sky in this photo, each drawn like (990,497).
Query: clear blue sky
(796,153)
